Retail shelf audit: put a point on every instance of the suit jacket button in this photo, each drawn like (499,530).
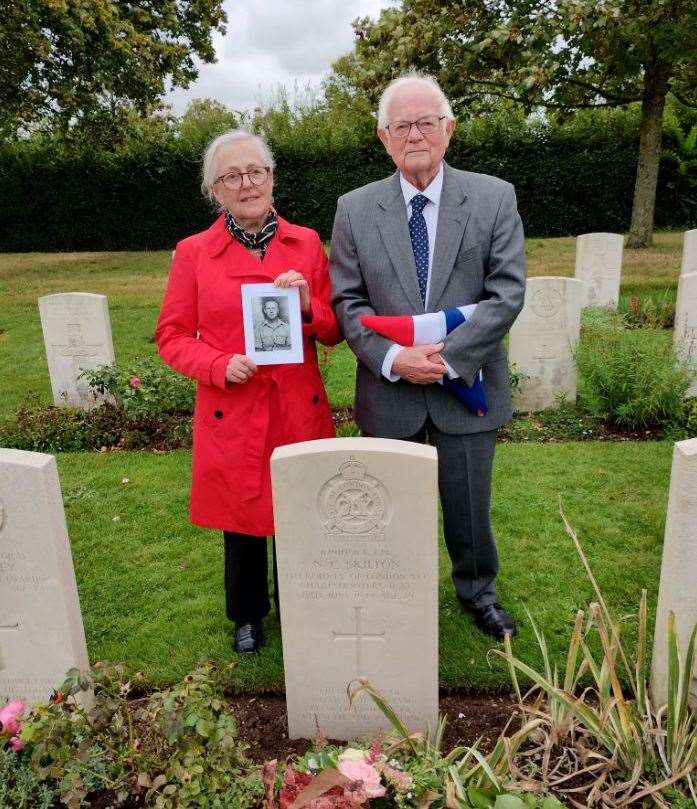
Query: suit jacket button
(218,414)
(315,399)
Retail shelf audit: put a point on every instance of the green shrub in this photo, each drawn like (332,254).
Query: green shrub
(174,749)
(40,428)
(150,406)
(630,378)
(647,311)
(20,786)
(152,195)
(145,389)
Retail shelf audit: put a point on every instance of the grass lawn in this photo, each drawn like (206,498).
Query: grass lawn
(151,584)
(134,283)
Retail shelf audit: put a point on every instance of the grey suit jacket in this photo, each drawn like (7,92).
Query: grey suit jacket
(478,258)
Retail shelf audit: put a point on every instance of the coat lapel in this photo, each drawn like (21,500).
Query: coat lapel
(394,231)
(453,215)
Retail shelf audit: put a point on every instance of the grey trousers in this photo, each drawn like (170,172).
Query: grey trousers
(464,482)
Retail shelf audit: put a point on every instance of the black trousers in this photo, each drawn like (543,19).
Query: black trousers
(246,577)
(464,482)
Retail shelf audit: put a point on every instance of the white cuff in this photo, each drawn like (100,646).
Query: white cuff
(392,352)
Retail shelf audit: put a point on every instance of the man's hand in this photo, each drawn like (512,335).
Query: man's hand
(240,368)
(420,365)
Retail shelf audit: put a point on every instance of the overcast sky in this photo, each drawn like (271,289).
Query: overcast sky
(272,42)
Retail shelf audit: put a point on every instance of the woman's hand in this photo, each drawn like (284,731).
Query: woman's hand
(240,368)
(293,278)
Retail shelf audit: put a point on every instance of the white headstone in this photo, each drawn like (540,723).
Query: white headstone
(677,590)
(357,538)
(77,336)
(599,267)
(685,332)
(41,632)
(542,342)
(689,252)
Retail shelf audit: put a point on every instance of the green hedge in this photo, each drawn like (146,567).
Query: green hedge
(568,182)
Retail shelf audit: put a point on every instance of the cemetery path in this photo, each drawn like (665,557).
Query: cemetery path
(263,725)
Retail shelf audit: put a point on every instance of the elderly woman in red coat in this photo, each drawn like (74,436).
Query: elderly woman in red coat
(243,411)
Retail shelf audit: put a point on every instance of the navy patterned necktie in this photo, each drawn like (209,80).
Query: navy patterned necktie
(419,242)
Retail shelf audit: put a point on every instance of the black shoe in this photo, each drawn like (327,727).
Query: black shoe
(493,620)
(249,638)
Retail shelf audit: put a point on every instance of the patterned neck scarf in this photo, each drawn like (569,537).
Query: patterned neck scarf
(256,242)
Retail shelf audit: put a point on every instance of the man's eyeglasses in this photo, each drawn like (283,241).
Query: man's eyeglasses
(426,125)
(233,179)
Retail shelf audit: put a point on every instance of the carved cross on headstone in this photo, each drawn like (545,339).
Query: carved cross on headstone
(77,349)
(359,636)
(6,627)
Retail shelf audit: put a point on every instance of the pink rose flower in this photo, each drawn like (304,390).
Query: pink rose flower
(9,716)
(134,382)
(16,743)
(365,773)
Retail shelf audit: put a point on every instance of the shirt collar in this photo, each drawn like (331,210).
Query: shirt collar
(432,191)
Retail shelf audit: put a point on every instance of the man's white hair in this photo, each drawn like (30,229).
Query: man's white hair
(209,172)
(414,77)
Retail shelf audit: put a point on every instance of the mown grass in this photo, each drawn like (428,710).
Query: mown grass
(134,283)
(151,584)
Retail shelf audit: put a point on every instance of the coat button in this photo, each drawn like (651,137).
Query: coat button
(218,414)
(315,399)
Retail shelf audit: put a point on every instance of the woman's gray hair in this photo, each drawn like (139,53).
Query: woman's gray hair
(209,172)
(414,77)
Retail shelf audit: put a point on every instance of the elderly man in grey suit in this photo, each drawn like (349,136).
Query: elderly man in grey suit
(431,237)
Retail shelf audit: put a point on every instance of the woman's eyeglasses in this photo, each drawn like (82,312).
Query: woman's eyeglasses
(233,179)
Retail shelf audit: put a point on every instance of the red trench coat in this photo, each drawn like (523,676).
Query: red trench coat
(237,426)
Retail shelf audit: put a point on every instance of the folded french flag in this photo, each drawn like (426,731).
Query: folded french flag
(418,330)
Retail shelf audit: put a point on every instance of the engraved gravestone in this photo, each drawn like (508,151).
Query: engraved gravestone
(677,591)
(77,336)
(599,268)
(357,540)
(41,632)
(689,252)
(685,330)
(542,342)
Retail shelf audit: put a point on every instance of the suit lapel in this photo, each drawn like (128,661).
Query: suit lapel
(394,231)
(453,215)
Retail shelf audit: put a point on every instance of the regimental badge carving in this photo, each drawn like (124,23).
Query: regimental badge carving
(354,505)
(547,302)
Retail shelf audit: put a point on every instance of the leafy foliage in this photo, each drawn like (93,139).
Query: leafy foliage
(20,786)
(648,311)
(567,55)
(61,61)
(176,748)
(146,193)
(146,388)
(203,120)
(627,378)
(39,428)
(681,157)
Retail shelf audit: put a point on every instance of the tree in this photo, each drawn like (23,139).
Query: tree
(561,54)
(203,120)
(64,60)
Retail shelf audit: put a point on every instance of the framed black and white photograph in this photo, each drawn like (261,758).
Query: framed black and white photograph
(272,324)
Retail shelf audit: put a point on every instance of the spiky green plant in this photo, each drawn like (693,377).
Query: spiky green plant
(618,745)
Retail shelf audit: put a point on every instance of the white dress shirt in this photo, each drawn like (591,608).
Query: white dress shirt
(432,192)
